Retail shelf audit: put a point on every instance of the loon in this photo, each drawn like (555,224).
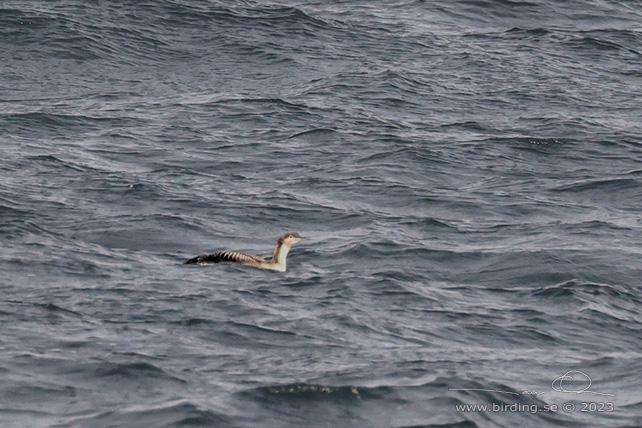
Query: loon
(277,262)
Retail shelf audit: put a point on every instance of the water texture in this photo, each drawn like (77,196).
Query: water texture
(468,175)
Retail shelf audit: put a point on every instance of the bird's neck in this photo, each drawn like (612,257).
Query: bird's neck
(280,254)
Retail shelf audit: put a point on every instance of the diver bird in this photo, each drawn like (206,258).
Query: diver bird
(277,262)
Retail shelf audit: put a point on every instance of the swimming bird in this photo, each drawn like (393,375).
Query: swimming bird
(278,258)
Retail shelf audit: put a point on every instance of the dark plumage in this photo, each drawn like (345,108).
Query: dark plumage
(225,256)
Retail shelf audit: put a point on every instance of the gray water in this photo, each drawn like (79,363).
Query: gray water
(467,175)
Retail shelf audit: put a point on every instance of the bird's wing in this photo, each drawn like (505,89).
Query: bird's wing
(226,256)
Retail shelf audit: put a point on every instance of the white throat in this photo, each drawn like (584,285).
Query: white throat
(280,255)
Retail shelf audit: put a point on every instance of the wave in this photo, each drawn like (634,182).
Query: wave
(57,123)
(304,391)
(133,371)
(169,414)
(594,300)
(600,184)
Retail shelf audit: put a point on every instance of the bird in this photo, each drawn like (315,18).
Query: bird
(277,263)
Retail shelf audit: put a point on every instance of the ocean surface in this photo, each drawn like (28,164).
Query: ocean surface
(467,173)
